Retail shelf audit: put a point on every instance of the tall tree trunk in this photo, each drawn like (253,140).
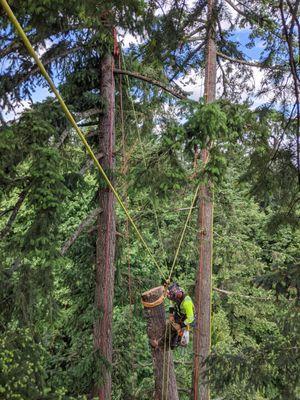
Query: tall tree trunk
(106,235)
(202,334)
(164,374)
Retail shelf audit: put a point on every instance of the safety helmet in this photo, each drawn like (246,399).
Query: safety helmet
(174,292)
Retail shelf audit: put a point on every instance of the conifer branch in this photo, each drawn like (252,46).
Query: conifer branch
(181,96)
(16,208)
(36,41)
(20,78)
(250,63)
(260,19)
(293,67)
(228,293)
(188,58)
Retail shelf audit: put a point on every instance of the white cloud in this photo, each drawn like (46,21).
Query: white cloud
(192,83)
(127,39)
(42,48)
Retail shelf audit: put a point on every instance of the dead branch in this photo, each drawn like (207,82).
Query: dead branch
(250,63)
(181,96)
(89,163)
(84,224)
(14,213)
(82,116)
(237,9)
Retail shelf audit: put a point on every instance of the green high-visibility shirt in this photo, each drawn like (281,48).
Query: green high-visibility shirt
(186,308)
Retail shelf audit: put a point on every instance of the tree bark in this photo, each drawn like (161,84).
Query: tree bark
(164,374)
(202,332)
(106,235)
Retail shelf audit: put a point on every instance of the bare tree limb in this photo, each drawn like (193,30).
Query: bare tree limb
(88,113)
(6,211)
(84,224)
(13,216)
(89,163)
(152,82)
(237,9)
(82,116)
(92,133)
(250,63)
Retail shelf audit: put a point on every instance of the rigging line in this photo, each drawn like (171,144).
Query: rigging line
(144,158)
(164,363)
(168,363)
(143,155)
(165,386)
(183,231)
(70,117)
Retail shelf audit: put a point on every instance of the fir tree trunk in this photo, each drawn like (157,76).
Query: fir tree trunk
(106,236)
(202,332)
(164,374)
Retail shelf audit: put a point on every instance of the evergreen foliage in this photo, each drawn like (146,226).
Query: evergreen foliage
(48,188)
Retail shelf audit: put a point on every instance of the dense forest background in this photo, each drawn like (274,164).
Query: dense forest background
(49,201)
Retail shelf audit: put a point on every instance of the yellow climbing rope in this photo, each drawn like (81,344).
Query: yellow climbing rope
(70,117)
(88,148)
(183,231)
(138,130)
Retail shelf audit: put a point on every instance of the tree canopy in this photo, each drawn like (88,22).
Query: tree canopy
(49,193)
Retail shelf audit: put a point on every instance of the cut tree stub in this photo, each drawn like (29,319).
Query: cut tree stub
(164,374)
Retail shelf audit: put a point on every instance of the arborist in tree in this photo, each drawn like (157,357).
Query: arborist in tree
(181,316)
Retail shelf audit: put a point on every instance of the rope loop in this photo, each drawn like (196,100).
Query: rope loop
(155,303)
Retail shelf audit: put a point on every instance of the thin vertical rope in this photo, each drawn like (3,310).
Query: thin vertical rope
(143,157)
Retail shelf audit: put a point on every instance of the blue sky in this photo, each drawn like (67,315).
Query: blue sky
(42,92)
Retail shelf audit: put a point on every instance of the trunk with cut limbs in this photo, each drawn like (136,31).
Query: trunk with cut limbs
(202,332)
(106,235)
(164,374)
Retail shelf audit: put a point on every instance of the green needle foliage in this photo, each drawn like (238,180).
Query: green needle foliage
(49,189)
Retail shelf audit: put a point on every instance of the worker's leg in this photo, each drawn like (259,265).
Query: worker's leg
(171,335)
